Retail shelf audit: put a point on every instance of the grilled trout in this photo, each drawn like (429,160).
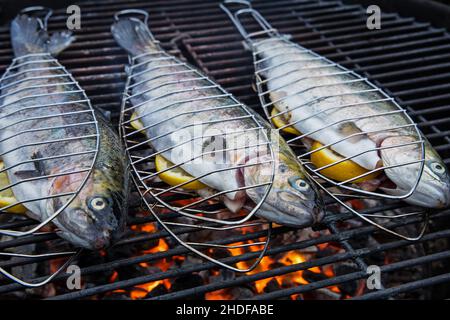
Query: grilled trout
(48,139)
(338,107)
(187,117)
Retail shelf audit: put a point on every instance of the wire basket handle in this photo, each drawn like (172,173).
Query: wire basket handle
(38,11)
(136,15)
(267,29)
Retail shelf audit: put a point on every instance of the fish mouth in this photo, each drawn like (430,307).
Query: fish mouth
(429,195)
(304,217)
(87,233)
(98,243)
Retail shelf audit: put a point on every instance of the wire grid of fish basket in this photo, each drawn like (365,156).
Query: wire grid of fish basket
(339,191)
(28,118)
(204,212)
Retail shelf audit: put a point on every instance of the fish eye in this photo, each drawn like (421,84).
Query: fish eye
(97,203)
(437,168)
(302,185)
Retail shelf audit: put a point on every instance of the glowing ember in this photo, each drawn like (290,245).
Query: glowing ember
(218,295)
(141,291)
(290,279)
(267,263)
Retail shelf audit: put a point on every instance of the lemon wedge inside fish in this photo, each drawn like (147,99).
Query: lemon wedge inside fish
(342,171)
(6,196)
(136,124)
(281,121)
(172,177)
(176,175)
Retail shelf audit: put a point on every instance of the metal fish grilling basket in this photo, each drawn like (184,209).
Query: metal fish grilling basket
(18,142)
(240,12)
(176,205)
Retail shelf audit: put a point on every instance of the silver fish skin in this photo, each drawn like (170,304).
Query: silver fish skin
(171,105)
(96,216)
(333,104)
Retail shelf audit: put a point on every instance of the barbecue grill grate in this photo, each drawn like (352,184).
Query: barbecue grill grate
(407,59)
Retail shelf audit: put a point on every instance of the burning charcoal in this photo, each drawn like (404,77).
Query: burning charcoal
(220,253)
(240,293)
(91,258)
(271,286)
(322,294)
(328,251)
(349,287)
(186,282)
(158,291)
(223,275)
(274,285)
(313,276)
(276,265)
(46,291)
(191,259)
(147,244)
(117,296)
(136,270)
(120,252)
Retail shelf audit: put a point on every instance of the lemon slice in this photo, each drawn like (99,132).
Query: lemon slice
(136,124)
(176,175)
(342,171)
(281,121)
(173,176)
(6,196)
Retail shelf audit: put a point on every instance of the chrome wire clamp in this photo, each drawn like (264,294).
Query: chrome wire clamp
(278,86)
(150,94)
(41,104)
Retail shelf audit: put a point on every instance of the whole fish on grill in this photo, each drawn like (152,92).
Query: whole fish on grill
(48,141)
(340,109)
(187,117)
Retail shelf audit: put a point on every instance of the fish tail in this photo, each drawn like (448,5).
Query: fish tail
(133,35)
(28,36)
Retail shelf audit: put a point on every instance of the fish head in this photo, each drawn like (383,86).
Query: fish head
(433,188)
(95,217)
(293,199)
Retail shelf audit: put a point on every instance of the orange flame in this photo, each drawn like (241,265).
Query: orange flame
(291,279)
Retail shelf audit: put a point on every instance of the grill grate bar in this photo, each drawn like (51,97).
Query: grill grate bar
(297,267)
(360,275)
(342,236)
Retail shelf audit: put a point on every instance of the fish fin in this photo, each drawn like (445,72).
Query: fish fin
(38,163)
(27,174)
(234,205)
(60,41)
(38,171)
(132,35)
(28,36)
